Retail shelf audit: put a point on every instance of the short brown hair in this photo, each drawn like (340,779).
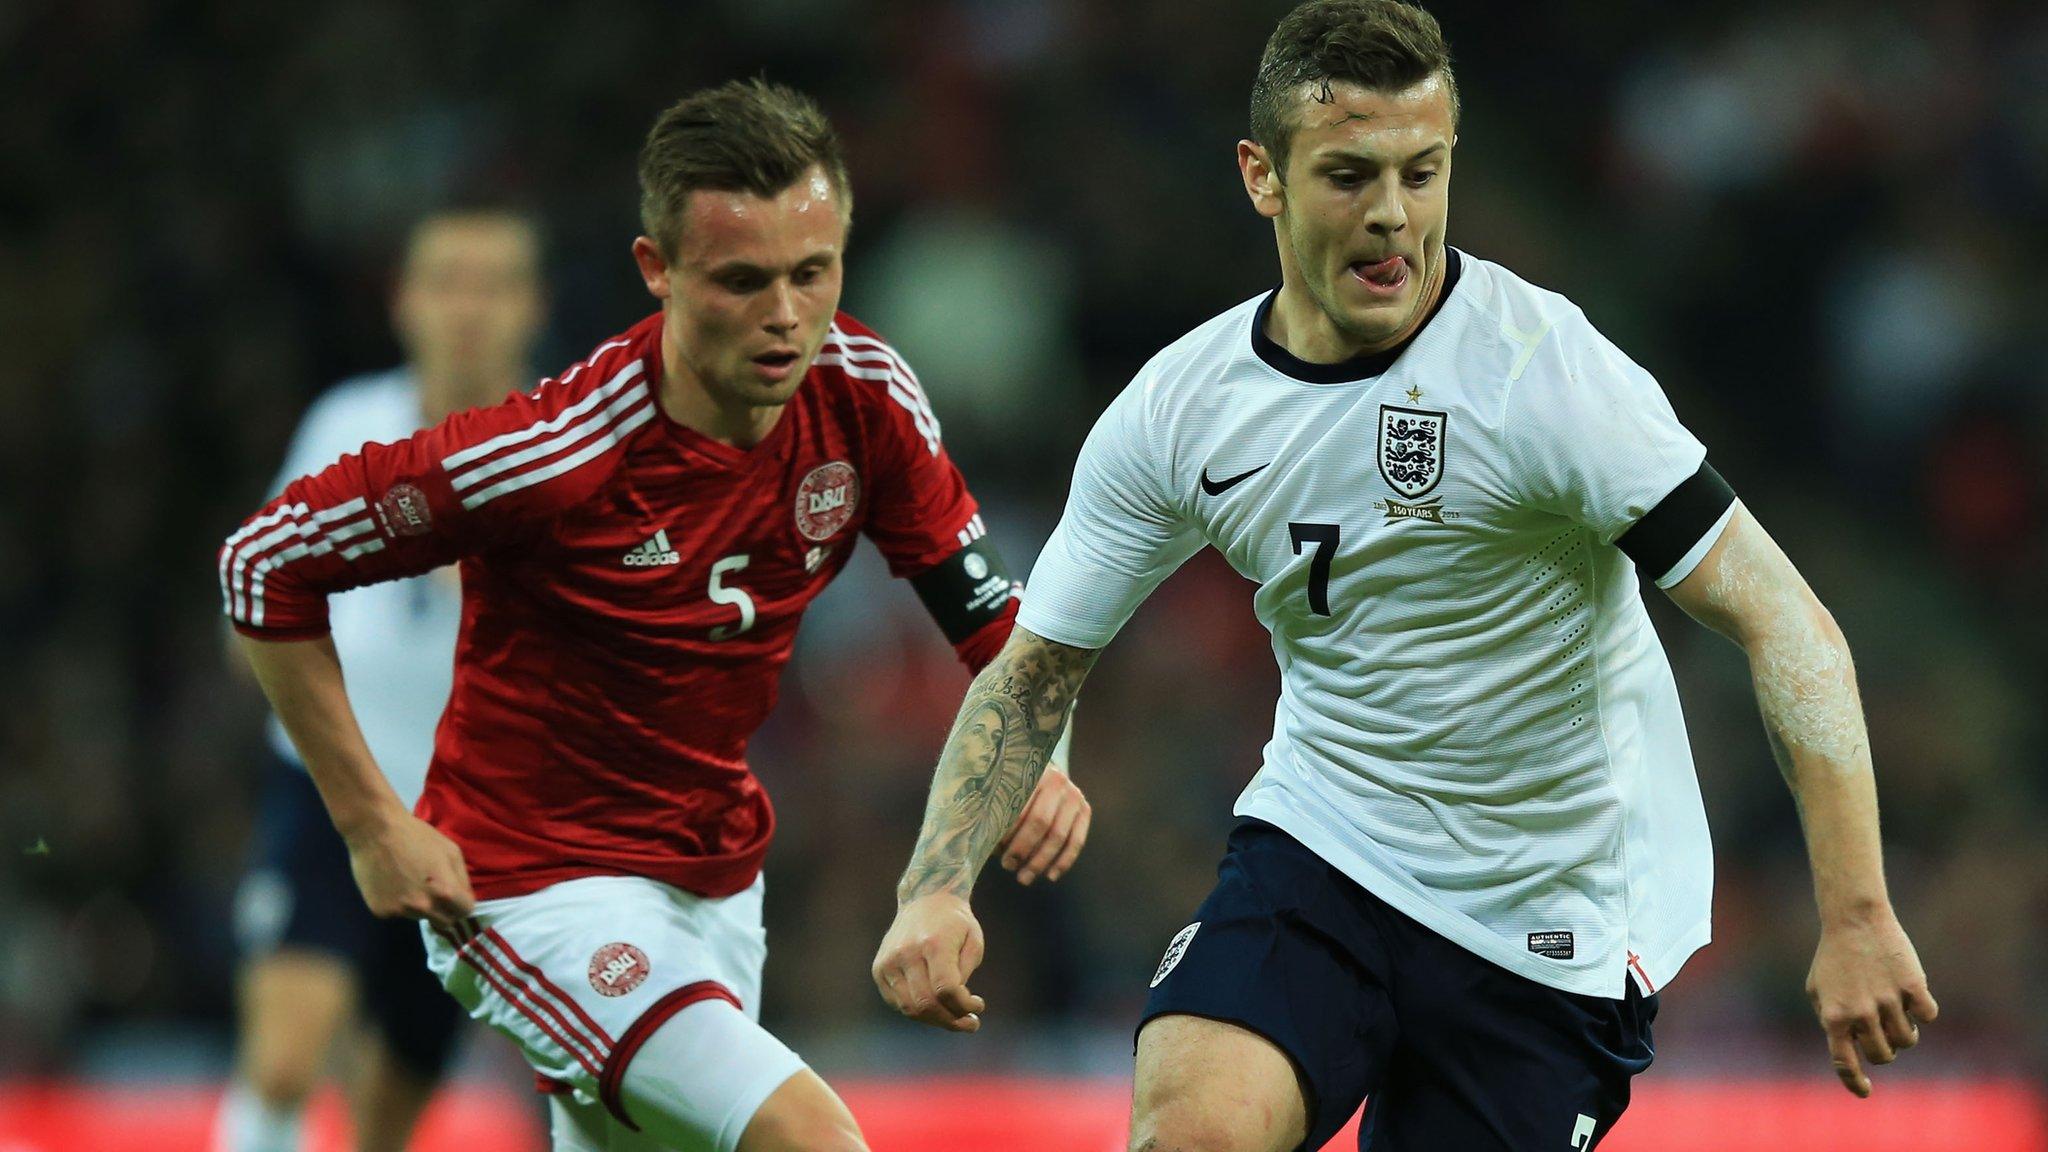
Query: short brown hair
(1383,45)
(742,136)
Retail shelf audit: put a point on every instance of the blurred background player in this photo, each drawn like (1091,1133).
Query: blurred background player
(467,309)
(639,538)
(1476,849)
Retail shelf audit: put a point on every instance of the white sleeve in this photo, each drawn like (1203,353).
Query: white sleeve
(1118,538)
(1591,436)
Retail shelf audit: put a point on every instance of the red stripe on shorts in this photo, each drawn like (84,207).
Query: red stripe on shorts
(506,992)
(548,984)
(598,1046)
(614,1077)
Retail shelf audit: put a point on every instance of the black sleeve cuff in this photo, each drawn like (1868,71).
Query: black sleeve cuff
(1667,533)
(966,590)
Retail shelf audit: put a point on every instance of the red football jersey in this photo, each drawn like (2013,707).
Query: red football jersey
(631,592)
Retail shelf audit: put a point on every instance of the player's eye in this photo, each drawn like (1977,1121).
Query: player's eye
(1346,179)
(742,282)
(1418,179)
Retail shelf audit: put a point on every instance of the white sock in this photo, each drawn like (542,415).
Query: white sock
(246,1124)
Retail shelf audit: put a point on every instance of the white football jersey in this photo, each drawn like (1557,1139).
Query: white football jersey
(396,640)
(1476,721)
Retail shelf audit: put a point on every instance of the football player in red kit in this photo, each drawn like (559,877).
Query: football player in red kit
(638,538)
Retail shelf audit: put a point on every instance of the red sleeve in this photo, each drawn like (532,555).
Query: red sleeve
(921,511)
(977,650)
(476,479)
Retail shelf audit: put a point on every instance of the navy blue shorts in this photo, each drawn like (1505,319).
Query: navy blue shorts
(299,894)
(1452,1050)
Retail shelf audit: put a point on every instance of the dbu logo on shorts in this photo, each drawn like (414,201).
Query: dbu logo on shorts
(617,969)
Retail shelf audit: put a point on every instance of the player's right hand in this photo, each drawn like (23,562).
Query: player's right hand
(405,868)
(925,960)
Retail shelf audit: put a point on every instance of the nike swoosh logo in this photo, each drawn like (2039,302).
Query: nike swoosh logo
(1219,487)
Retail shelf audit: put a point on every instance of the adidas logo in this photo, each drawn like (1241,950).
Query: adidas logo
(654,553)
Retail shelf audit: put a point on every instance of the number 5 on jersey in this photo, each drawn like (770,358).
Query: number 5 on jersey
(737,597)
(1324,538)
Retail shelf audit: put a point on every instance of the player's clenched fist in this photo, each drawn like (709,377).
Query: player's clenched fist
(925,960)
(407,869)
(1048,835)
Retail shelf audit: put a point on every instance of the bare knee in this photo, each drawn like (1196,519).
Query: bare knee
(283,1077)
(292,1004)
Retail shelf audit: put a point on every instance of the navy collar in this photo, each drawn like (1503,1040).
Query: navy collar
(1363,367)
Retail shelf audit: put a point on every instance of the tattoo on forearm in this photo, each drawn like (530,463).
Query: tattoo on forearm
(1008,725)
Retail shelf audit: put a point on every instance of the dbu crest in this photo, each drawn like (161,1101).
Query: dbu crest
(1411,449)
(617,969)
(826,499)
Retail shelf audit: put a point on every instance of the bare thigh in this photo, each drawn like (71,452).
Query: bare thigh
(293,1003)
(803,1115)
(1208,1086)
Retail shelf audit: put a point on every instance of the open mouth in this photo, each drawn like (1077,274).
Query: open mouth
(775,367)
(1382,277)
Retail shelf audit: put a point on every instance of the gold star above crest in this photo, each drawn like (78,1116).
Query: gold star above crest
(1414,394)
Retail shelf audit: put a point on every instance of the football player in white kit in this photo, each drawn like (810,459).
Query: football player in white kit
(468,309)
(1475,850)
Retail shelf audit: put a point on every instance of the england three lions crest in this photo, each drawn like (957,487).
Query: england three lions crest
(1411,449)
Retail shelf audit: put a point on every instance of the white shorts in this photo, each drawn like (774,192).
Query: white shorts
(581,973)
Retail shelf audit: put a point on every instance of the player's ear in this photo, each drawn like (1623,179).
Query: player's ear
(1261,180)
(653,266)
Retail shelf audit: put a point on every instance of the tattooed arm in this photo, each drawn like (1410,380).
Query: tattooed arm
(1012,717)
(1866,983)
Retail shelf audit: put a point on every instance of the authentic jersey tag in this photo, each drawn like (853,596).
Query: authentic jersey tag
(1554,945)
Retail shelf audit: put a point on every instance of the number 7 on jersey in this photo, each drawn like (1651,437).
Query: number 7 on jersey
(1324,538)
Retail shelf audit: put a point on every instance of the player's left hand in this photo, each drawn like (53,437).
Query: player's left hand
(1048,835)
(1870,993)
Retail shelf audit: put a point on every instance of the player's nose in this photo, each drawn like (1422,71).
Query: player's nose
(781,308)
(1384,212)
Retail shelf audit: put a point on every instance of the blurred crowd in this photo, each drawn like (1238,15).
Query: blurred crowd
(1819,224)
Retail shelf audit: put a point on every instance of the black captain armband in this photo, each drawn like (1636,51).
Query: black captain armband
(965,590)
(1668,533)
